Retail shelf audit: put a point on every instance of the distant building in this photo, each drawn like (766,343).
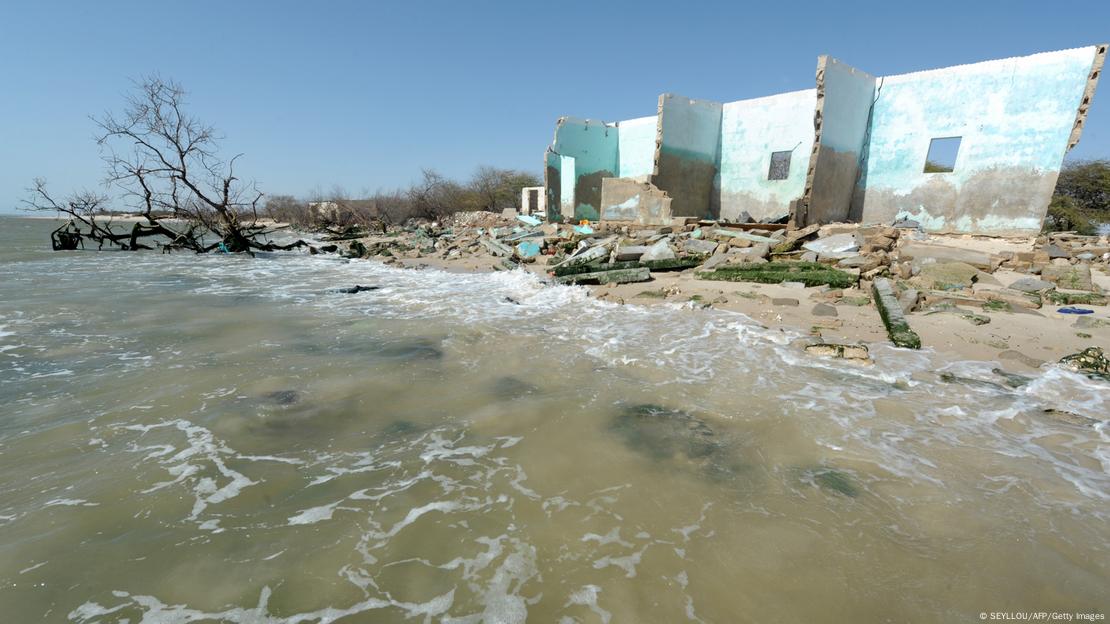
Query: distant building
(532,200)
(973,148)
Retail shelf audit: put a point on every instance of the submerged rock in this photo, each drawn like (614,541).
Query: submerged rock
(508,388)
(833,480)
(357,289)
(282,397)
(415,349)
(665,433)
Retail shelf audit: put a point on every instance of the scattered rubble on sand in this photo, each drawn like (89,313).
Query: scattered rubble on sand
(902,273)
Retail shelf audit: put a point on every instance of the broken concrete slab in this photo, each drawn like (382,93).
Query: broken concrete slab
(1071,277)
(630,252)
(696,246)
(923,253)
(659,251)
(829,246)
(891,312)
(617,276)
(1031,285)
(946,276)
(857,353)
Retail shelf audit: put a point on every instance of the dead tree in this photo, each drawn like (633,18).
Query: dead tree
(166,165)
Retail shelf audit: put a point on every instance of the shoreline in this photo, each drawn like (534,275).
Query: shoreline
(1020,341)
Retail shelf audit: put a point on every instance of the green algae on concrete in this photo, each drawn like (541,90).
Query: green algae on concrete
(808,273)
(619,276)
(891,312)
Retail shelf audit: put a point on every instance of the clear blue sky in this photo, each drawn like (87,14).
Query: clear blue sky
(364,94)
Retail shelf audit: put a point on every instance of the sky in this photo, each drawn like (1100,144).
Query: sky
(362,95)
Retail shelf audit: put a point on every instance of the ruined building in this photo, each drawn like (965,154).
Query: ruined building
(972,148)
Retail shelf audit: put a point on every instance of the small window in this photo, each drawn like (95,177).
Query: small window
(942,155)
(780,166)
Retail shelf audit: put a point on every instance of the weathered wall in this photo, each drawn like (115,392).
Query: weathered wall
(686,154)
(568,179)
(552,184)
(593,145)
(626,199)
(1015,117)
(750,131)
(844,97)
(636,147)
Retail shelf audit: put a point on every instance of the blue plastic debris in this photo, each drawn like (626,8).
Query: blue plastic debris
(528,249)
(583,229)
(528,220)
(1073,310)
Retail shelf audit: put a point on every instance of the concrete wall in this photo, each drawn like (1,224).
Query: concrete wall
(1015,117)
(626,199)
(750,131)
(552,184)
(687,154)
(533,200)
(593,145)
(844,98)
(636,147)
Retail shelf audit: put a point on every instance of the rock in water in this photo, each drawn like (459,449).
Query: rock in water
(664,433)
(357,289)
(1090,361)
(283,397)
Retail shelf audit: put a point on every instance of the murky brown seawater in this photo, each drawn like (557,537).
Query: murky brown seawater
(211,438)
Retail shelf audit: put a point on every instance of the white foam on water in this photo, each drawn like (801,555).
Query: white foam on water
(202,453)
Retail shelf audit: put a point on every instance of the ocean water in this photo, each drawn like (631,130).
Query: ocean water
(225,439)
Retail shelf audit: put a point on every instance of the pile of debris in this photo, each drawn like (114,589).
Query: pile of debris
(898,267)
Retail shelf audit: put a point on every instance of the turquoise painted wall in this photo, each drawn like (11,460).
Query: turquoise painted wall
(593,145)
(1014,116)
(686,164)
(750,131)
(848,96)
(690,127)
(636,147)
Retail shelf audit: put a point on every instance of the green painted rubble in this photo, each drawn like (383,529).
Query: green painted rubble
(891,313)
(670,264)
(808,273)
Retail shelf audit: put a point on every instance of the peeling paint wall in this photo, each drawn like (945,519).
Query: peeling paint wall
(1015,117)
(686,154)
(751,130)
(858,146)
(626,199)
(593,146)
(844,97)
(552,184)
(636,147)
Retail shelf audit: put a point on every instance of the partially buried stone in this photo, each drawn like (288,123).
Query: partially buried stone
(1031,284)
(824,309)
(857,353)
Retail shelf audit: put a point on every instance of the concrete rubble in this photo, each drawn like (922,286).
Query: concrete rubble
(905,270)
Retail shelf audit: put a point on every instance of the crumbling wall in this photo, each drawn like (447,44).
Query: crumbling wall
(686,154)
(752,130)
(627,199)
(552,184)
(1014,118)
(593,146)
(636,147)
(840,125)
